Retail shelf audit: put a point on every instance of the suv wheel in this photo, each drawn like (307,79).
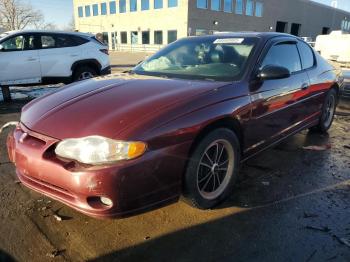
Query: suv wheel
(212,169)
(83,73)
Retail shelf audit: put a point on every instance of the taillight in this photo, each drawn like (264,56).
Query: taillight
(105,51)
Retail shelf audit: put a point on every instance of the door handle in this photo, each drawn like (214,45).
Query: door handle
(31,59)
(304,86)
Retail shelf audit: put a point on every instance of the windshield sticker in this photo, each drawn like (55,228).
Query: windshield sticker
(229,41)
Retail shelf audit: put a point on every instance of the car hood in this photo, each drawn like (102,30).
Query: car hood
(108,106)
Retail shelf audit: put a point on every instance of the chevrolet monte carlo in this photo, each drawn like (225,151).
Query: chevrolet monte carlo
(179,124)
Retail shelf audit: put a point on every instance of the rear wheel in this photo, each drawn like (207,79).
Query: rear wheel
(328,112)
(83,73)
(212,169)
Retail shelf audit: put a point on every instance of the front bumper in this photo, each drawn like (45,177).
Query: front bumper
(135,186)
(106,71)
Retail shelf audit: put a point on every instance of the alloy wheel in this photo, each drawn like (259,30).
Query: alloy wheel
(329,110)
(215,169)
(85,75)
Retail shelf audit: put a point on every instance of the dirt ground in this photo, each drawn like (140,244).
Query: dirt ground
(290,204)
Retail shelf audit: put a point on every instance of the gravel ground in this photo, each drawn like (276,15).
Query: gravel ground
(290,204)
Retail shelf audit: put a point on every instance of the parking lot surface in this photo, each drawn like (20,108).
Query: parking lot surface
(290,204)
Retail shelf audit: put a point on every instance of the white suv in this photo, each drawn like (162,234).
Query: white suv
(32,57)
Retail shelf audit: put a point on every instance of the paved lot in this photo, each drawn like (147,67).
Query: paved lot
(121,61)
(289,205)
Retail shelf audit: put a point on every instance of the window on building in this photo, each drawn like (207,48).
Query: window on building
(281,27)
(202,4)
(172,36)
(239,7)
(145,37)
(295,29)
(80,11)
(87,11)
(134,35)
(112,8)
(95,10)
(103,8)
(283,54)
(158,37)
(307,56)
(325,30)
(216,5)
(249,8)
(228,6)
(158,4)
(343,24)
(144,5)
(172,3)
(122,6)
(105,38)
(200,32)
(133,5)
(259,9)
(123,37)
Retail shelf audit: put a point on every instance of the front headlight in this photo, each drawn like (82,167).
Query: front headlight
(97,150)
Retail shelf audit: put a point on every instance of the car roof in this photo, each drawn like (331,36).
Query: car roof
(9,33)
(263,35)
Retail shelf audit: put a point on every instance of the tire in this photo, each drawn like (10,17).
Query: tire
(206,168)
(328,112)
(83,73)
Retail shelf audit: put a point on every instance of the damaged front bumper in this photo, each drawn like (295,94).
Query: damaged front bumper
(131,186)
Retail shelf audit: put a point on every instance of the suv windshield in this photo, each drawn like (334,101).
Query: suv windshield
(212,58)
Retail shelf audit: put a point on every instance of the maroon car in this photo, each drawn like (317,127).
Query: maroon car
(180,123)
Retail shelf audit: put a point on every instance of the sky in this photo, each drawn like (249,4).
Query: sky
(60,12)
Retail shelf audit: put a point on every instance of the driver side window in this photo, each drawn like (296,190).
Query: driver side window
(13,44)
(18,43)
(285,55)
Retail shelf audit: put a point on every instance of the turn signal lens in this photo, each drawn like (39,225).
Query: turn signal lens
(136,149)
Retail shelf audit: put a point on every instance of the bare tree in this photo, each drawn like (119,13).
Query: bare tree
(16,15)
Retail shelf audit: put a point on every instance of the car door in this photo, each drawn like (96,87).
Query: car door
(313,96)
(57,54)
(278,106)
(19,60)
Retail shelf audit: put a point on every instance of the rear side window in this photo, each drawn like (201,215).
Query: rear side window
(307,55)
(61,41)
(47,41)
(284,54)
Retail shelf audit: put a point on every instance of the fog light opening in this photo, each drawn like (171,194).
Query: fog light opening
(106,201)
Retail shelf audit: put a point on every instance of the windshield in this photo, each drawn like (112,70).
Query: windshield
(212,58)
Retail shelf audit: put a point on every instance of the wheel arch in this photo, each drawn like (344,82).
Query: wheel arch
(87,62)
(336,87)
(226,122)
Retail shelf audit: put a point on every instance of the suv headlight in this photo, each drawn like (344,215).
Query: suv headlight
(97,150)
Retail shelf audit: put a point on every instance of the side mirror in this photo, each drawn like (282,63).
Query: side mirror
(271,72)
(1,48)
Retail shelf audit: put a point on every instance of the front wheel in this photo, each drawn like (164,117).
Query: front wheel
(328,112)
(212,169)
(83,73)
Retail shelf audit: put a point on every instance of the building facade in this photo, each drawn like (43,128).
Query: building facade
(150,24)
